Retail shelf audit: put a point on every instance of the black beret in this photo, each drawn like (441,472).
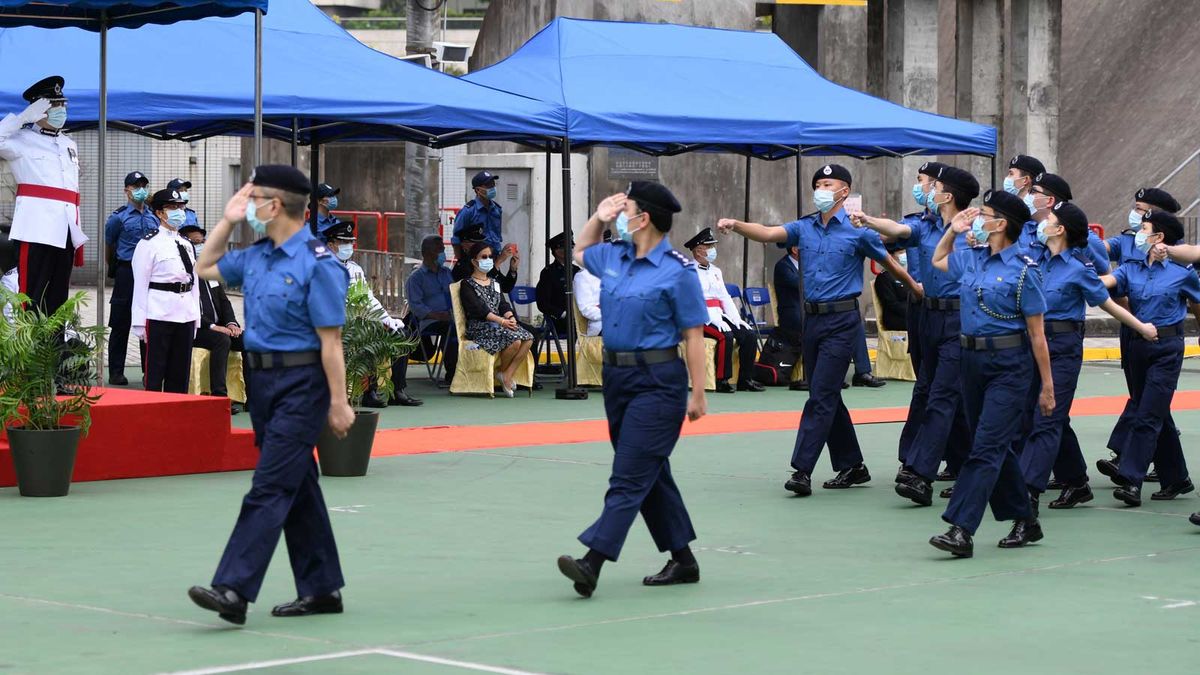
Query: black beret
(606,235)
(471,233)
(1157,197)
(653,196)
(1055,185)
(1166,223)
(50,89)
(1030,165)
(177,183)
(960,180)
(1070,215)
(135,177)
(326,190)
(836,171)
(930,169)
(164,197)
(483,178)
(281,177)
(1008,205)
(704,236)
(343,231)
(184,229)
(557,241)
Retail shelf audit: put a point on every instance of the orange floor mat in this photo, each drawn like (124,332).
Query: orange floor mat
(420,440)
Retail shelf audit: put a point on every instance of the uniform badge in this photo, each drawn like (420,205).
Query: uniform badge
(1141,193)
(73,155)
(828,170)
(318,248)
(287,280)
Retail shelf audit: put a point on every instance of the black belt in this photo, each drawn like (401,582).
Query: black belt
(1165,331)
(268,360)
(1064,327)
(172,287)
(943,304)
(831,307)
(647,357)
(993,343)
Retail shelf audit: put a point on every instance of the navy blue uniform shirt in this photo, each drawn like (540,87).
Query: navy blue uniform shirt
(488,217)
(126,227)
(1158,292)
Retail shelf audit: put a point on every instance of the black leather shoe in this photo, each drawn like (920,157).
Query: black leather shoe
(117,379)
(917,490)
(224,601)
(1173,491)
(1194,518)
(848,478)
(577,570)
(236,408)
(946,475)
(1152,476)
(947,493)
(1024,531)
(1109,468)
(372,400)
(750,385)
(799,483)
(309,605)
(401,397)
(904,475)
(1056,484)
(723,387)
(1072,496)
(673,573)
(1130,494)
(956,541)
(867,380)
(802,385)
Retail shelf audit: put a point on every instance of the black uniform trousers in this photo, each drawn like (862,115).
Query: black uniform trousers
(288,407)
(944,432)
(1121,430)
(1152,436)
(218,345)
(44,273)
(120,316)
(168,355)
(726,335)
(645,406)
(920,391)
(829,344)
(1052,444)
(995,387)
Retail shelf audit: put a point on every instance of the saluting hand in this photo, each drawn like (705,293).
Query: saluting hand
(1046,400)
(727,225)
(235,209)
(610,207)
(35,112)
(962,221)
(697,406)
(341,416)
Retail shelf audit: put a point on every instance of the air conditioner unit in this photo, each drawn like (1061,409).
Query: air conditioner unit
(449,52)
(419,59)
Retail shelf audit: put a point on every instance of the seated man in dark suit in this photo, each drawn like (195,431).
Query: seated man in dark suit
(219,331)
(893,298)
(551,287)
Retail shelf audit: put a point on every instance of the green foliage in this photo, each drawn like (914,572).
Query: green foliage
(36,362)
(369,344)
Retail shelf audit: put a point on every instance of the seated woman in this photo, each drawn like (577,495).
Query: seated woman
(490,319)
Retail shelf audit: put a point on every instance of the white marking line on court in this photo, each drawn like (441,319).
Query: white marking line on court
(1138,511)
(155,617)
(814,596)
(1173,603)
(396,654)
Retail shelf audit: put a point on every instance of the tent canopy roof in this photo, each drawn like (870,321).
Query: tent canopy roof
(88,14)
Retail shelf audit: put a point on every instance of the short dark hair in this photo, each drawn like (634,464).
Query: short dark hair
(473,250)
(1168,225)
(961,200)
(1077,234)
(294,203)
(432,244)
(659,218)
(1012,226)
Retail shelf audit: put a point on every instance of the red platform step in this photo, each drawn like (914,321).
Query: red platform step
(136,434)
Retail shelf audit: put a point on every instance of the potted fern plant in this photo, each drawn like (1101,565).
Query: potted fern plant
(46,372)
(370,347)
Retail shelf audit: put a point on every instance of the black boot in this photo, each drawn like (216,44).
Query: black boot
(311,604)
(224,601)
(580,572)
(917,489)
(956,541)
(1073,495)
(674,572)
(799,483)
(850,477)
(1024,531)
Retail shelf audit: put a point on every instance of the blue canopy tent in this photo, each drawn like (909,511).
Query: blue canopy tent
(666,89)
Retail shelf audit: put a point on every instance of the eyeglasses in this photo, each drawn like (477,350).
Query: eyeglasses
(484,257)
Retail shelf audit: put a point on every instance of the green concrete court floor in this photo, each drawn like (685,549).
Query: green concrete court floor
(450,566)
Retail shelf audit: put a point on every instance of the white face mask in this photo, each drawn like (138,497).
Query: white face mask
(344,251)
(711,255)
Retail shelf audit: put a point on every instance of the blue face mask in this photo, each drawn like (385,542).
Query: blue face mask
(903,260)
(441,260)
(140,194)
(184,196)
(57,117)
(711,255)
(259,226)
(623,227)
(918,194)
(980,234)
(486,265)
(1139,240)
(1029,202)
(1041,232)
(333,202)
(344,251)
(1135,219)
(491,193)
(823,200)
(176,218)
(1010,185)
(199,248)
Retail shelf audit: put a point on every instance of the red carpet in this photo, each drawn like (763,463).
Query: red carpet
(136,434)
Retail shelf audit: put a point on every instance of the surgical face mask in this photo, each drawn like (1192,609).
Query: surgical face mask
(623,227)
(1135,219)
(140,194)
(981,235)
(332,202)
(919,195)
(441,259)
(931,200)
(176,218)
(184,196)
(259,226)
(491,193)
(57,117)
(486,265)
(199,248)
(711,255)
(902,259)
(823,200)
(344,251)
(1041,232)
(1141,241)
(1010,185)
(1028,199)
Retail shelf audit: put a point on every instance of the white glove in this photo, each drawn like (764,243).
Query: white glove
(394,323)
(35,112)
(139,332)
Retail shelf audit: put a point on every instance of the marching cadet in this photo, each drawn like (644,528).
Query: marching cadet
(942,431)
(651,301)
(45,221)
(1159,292)
(832,251)
(125,229)
(725,326)
(1048,191)
(295,292)
(1022,169)
(182,186)
(166,297)
(1070,284)
(1002,306)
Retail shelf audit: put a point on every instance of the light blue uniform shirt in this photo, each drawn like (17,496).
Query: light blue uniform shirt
(991,280)
(126,227)
(1096,251)
(1158,292)
(1123,248)
(475,213)
(927,231)
(831,256)
(1069,282)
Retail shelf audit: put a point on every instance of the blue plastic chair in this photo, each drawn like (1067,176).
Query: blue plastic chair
(756,297)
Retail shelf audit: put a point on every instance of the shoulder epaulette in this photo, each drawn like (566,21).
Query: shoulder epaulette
(318,248)
(683,260)
(151,234)
(1029,261)
(915,214)
(119,209)
(1081,257)
(1129,231)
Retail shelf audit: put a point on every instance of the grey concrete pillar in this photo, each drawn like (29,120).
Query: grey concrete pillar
(986,85)
(839,29)
(1044,34)
(912,66)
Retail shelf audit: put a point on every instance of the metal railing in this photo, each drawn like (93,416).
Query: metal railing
(386,273)
(381,229)
(1192,159)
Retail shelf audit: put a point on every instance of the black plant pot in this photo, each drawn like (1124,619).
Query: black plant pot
(348,456)
(44,460)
